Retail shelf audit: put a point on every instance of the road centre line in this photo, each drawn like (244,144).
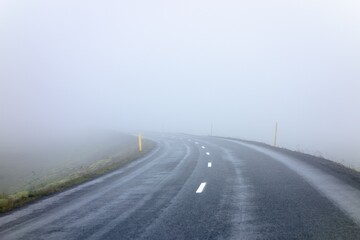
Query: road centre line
(201,187)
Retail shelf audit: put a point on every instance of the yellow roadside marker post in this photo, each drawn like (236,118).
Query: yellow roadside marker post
(140,142)
(275,138)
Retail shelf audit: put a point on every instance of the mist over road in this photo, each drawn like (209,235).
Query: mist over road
(193,187)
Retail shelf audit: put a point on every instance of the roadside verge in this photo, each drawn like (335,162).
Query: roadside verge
(48,186)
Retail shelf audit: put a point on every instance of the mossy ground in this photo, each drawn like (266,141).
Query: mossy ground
(44,188)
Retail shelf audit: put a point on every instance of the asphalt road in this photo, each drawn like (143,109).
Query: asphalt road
(193,187)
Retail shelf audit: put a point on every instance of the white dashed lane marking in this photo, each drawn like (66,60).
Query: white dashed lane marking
(209,164)
(207,153)
(202,146)
(201,187)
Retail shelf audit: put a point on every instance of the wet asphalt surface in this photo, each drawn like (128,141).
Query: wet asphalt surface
(248,195)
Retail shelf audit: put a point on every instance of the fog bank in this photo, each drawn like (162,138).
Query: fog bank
(184,66)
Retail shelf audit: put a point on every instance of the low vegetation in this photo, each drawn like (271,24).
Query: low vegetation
(45,185)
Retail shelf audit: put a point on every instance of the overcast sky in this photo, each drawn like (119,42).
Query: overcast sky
(178,66)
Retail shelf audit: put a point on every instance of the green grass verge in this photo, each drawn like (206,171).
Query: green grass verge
(15,200)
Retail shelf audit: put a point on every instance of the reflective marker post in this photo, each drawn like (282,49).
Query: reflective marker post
(275,138)
(140,142)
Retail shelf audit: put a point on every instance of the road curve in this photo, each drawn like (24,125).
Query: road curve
(193,187)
